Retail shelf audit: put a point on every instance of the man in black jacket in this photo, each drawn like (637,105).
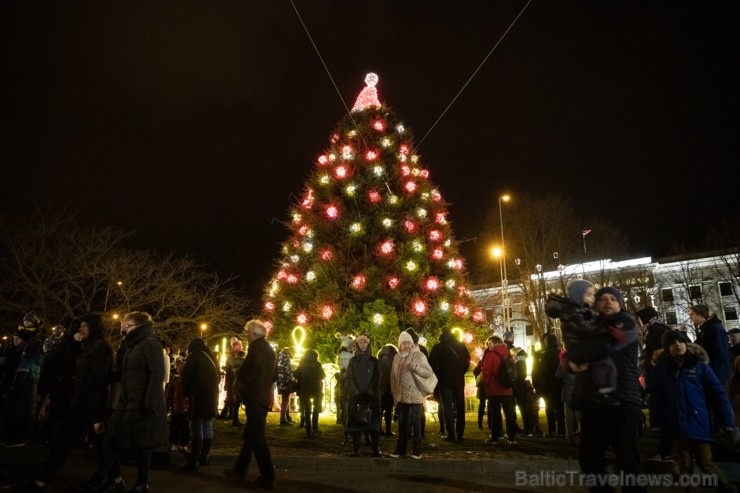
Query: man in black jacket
(450,360)
(254,380)
(605,425)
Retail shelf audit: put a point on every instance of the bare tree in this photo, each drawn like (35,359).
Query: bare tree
(50,264)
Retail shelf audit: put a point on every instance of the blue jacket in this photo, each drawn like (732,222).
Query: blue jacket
(681,396)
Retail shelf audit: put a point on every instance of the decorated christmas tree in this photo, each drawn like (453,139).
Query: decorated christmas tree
(371,249)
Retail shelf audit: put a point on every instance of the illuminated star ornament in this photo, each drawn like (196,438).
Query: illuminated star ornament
(368,98)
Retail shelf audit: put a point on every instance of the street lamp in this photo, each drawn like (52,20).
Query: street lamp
(497,252)
(505,279)
(203,328)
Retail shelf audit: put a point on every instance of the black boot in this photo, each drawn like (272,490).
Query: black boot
(375,437)
(355,444)
(400,450)
(205,452)
(196,446)
(416,453)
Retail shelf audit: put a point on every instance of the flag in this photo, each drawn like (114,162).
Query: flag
(585,232)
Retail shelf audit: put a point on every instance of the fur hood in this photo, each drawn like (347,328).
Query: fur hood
(694,354)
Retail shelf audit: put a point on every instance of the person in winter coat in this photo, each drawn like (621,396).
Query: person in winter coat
(19,401)
(139,421)
(683,392)
(363,389)
(450,360)
(344,354)
(733,392)
(88,402)
(572,416)
(30,327)
(481,392)
(228,411)
(523,393)
(440,410)
(310,376)
(57,374)
(604,426)
(254,380)
(498,396)
(713,338)
(178,405)
(549,387)
(408,365)
(285,384)
(652,336)
(386,354)
(578,326)
(200,379)
(236,401)
(11,357)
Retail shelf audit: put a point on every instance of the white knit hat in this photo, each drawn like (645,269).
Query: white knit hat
(405,336)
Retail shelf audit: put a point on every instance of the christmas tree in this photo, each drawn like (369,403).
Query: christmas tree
(371,249)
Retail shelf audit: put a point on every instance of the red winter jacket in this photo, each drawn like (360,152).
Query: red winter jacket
(491,366)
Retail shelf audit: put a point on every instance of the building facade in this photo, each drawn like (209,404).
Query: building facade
(670,284)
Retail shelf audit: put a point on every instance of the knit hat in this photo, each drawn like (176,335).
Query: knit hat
(508,335)
(646,314)
(94,324)
(31,318)
(614,292)
(672,336)
(405,336)
(363,338)
(701,309)
(576,289)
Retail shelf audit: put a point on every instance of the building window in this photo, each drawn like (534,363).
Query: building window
(490,316)
(695,292)
(529,330)
(725,289)
(667,294)
(670,318)
(730,313)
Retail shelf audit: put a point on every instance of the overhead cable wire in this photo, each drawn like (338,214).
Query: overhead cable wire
(418,145)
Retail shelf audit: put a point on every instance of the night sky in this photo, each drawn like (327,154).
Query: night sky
(196,123)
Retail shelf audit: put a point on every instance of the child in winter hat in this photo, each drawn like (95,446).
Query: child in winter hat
(672,336)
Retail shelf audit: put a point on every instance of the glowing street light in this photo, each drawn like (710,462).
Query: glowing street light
(497,252)
(203,329)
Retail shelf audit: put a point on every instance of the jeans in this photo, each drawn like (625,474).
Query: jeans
(616,426)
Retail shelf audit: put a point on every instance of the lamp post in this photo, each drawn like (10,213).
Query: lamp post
(203,328)
(497,252)
(541,318)
(504,278)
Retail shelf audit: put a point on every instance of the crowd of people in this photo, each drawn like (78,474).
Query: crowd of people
(595,377)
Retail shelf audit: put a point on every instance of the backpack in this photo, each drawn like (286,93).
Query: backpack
(506,372)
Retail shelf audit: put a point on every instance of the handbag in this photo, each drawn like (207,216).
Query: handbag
(363,413)
(425,385)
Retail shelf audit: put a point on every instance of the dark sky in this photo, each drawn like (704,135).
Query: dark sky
(196,123)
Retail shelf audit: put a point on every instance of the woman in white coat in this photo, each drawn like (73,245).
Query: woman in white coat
(409,365)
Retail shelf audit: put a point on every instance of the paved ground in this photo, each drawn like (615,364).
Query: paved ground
(320,464)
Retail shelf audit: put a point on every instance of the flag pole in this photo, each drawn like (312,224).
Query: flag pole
(585,232)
